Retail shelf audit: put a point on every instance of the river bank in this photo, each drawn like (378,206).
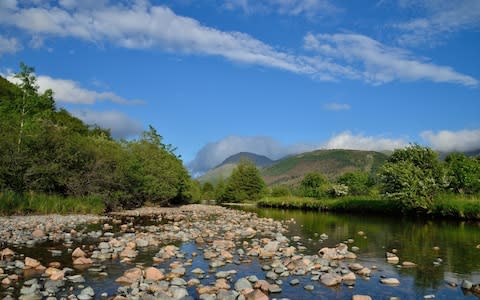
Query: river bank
(190,252)
(445,205)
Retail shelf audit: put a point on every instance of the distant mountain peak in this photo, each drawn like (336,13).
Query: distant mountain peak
(258,160)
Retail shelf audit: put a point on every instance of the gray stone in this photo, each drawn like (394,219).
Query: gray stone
(104,245)
(466,285)
(88,291)
(294,281)
(242,284)
(178,282)
(179,293)
(309,287)
(227,295)
(141,243)
(179,271)
(27,290)
(330,279)
(390,281)
(274,288)
(198,271)
(76,279)
(271,275)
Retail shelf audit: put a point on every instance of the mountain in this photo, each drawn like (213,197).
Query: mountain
(331,163)
(224,169)
(258,160)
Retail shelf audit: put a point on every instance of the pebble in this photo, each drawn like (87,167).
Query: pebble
(309,287)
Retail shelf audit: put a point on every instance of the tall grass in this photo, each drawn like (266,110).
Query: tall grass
(350,204)
(457,206)
(20,204)
(445,205)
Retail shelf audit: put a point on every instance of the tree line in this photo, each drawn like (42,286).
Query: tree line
(414,177)
(46,150)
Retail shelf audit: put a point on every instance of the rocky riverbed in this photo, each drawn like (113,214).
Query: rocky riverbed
(189,252)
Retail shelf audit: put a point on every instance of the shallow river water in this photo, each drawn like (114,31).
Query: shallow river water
(457,257)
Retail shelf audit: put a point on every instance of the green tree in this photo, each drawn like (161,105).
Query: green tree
(220,187)
(280,191)
(208,191)
(463,173)
(245,183)
(358,182)
(314,185)
(413,176)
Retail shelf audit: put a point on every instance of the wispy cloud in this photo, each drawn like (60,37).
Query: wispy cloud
(214,153)
(307,8)
(69,91)
(442,17)
(140,25)
(336,106)
(376,63)
(9,45)
(447,141)
(119,124)
(348,140)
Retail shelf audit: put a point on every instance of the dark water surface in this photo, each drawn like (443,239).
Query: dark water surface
(414,239)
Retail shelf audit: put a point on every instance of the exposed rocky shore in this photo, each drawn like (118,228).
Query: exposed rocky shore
(224,240)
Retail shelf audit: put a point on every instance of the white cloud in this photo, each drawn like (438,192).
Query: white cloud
(377,63)
(336,106)
(308,8)
(69,91)
(347,140)
(120,125)
(442,18)
(448,141)
(215,153)
(140,25)
(9,45)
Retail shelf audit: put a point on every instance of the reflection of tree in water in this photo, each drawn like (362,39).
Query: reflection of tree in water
(413,238)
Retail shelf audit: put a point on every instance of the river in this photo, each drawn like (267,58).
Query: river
(414,239)
(445,252)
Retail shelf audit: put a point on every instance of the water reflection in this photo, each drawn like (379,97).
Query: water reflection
(456,259)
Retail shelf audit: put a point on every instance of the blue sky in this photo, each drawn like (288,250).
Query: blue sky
(274,77)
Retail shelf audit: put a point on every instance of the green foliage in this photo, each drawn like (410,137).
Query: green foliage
(412,176)
(13,203)
(314,185)
(345,204)
(245,183)
(280,191)
(44,151)
(338,190)
(463,173)
(208,191)
(358,182)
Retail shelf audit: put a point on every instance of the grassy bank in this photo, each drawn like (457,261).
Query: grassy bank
(22,204)
(345,204)
(446,205)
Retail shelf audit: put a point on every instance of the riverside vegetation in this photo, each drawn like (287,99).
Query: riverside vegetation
(51,161)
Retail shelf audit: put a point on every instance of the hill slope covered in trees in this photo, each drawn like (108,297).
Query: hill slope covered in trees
(331,163)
